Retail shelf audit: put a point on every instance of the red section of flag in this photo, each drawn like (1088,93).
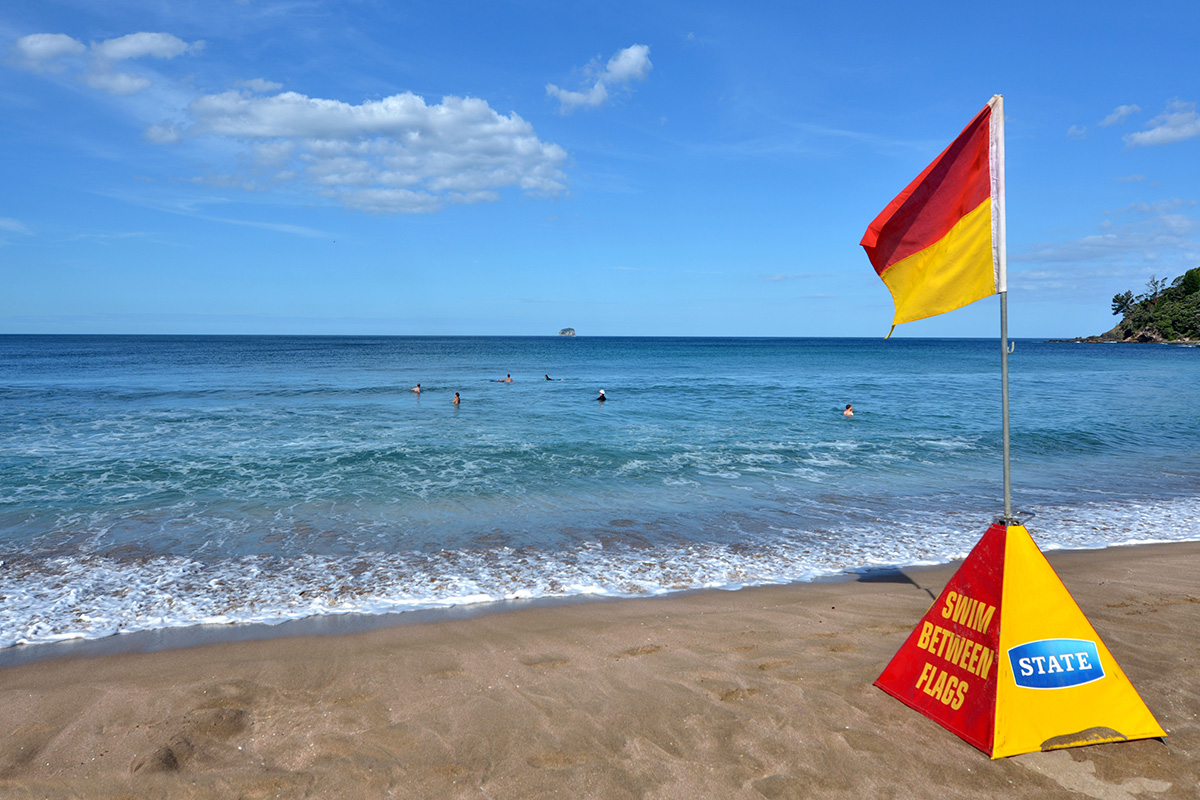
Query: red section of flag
(951,187)
(947,668)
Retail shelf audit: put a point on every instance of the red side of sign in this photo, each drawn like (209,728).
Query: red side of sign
(947,668)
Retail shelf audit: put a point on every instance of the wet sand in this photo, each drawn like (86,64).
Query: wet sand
(756,693)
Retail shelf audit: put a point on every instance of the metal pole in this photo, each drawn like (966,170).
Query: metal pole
(999,236)
(1008,520)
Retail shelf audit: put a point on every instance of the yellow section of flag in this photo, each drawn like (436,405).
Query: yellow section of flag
(952,273)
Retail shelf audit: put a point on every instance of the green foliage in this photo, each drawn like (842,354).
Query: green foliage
(1122,302)
(1169,310)
(1189,282)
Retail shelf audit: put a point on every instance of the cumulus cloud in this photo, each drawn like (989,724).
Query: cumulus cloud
(116,82)
(628,65)
(395,155)
(1178,122)
(1118,114)
(56,52)
(595,96)
(141,45)
(110,52)
(399,154)
(632,63)
(43,49)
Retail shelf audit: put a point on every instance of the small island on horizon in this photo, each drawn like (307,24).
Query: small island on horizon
(1165,312)
(567,332)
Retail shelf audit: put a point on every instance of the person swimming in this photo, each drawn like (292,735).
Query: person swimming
(455,400)
(849,412)
(416,389)
(602,398)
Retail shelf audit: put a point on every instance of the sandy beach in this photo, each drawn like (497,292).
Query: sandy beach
(762,692)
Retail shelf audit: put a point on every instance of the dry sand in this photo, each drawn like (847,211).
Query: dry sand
(757,693)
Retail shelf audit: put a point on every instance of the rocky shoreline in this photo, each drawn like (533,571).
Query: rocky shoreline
(1141,337)
(1122,335)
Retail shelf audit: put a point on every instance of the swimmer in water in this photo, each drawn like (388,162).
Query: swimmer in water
(455,400)
(602,398)
(416,389)
(849,412)
(547,377)
(507,379)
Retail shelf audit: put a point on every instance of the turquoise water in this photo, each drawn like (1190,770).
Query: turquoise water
(152,482)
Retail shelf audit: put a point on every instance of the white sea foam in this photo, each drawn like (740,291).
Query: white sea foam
(91,597)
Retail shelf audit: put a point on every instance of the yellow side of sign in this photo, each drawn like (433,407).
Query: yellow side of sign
(1051,692)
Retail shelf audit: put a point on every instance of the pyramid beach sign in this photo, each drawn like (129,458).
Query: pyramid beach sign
(1005,659)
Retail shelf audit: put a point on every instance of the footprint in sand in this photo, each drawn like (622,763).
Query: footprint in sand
(547,663)
(644,650)
(220,715)
(447,674)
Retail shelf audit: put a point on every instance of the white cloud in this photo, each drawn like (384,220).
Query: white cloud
(53,51)
(595,96)
(630,64)
(14,226)
(1180,121)
(392,201)
(1150,237)
(121,83)
(1118,114)
(41,48)
(140,45)
(1076,132)
(259,85)
(164,133)
(1158,207)
(395,155)
(275,153)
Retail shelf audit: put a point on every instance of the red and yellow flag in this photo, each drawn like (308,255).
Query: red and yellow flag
(938,245)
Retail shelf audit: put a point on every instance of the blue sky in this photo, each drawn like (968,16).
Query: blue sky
(669,168)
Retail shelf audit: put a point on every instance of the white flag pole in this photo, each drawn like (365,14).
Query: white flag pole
(1001,266)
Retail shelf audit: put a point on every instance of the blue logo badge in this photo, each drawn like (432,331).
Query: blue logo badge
(1055,663)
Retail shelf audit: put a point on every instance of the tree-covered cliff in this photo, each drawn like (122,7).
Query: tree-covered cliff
(1165,312)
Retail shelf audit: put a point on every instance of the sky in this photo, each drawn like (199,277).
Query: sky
(626,169)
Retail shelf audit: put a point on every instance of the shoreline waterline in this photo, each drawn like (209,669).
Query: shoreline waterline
(351,623)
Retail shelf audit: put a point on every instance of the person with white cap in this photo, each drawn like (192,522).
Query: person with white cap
(602,398)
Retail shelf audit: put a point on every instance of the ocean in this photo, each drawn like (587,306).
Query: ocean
(149,483)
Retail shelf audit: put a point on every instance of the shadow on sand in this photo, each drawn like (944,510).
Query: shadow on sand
(893,575)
